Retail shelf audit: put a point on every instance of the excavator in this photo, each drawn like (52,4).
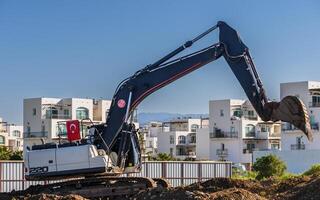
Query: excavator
(112,149)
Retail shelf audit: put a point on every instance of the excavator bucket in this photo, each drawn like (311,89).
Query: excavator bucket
(291,109)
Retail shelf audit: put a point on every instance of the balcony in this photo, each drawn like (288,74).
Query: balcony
(289,127)
(267,135)
(224,135)
(56,116)
(35,134)
(250,117)
(298,147)
(222,152)
(251,134)
(245,151)
(314,104)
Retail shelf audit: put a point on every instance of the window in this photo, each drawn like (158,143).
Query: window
(250,130)
(82,113)
(222,146)
(171,139)
(66,113)
(237,112)
(16,133)
(250,113)
(194,127)
(52,113)
(182,139)
(221,113)
(232,129)
(2,139)
(61,129)
(275,146)
(18,144)
(28,129)
(150,144)
(265,128)
(171,152)
(34,112)
(193,139)
(251,147)
(316,101)
(181,151)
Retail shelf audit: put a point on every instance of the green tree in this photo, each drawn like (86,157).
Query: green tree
(268,166)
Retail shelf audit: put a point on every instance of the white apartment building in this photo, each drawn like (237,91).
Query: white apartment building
(235,130)
(309,93)
(11,136)
(150,133)
(44,118)
(178,137)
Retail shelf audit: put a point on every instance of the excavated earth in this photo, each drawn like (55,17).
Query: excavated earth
(302,187)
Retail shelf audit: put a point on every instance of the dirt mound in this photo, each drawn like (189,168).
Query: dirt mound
(184,193)
(235,194)
(54,197)
(301,187)
(295,188)
(217,184)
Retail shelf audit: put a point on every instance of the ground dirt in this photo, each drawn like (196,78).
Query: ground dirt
(302,187)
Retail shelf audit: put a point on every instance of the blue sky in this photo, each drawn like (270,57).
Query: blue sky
(85,48)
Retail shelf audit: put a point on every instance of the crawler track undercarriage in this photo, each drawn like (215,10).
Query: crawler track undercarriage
(96,187)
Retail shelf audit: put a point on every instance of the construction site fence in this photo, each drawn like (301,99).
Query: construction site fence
(176,172)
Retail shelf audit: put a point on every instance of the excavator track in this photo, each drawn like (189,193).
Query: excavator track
(95,187)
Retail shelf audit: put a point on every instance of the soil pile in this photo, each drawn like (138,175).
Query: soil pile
(296,188)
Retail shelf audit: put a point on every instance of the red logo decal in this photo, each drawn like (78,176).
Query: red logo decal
(121,103)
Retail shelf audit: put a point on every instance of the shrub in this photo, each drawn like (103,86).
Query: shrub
(7,154)
(314,170)
(163,157)
(268,166)
(16,155)
(246,175)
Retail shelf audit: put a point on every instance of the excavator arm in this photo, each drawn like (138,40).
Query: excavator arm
(118,134)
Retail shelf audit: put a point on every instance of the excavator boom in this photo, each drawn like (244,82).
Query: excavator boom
(115,149)
(153,77)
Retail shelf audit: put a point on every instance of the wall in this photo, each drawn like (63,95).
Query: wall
(297,161)
(203,144)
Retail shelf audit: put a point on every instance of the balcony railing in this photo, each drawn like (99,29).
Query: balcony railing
(56,116)
(192,141)
(267,134)
(222,152)
(274,134)
(251,134)
(314,104)
(314,126)
(35,134)
(298,147)
(224,135)
(250,117)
